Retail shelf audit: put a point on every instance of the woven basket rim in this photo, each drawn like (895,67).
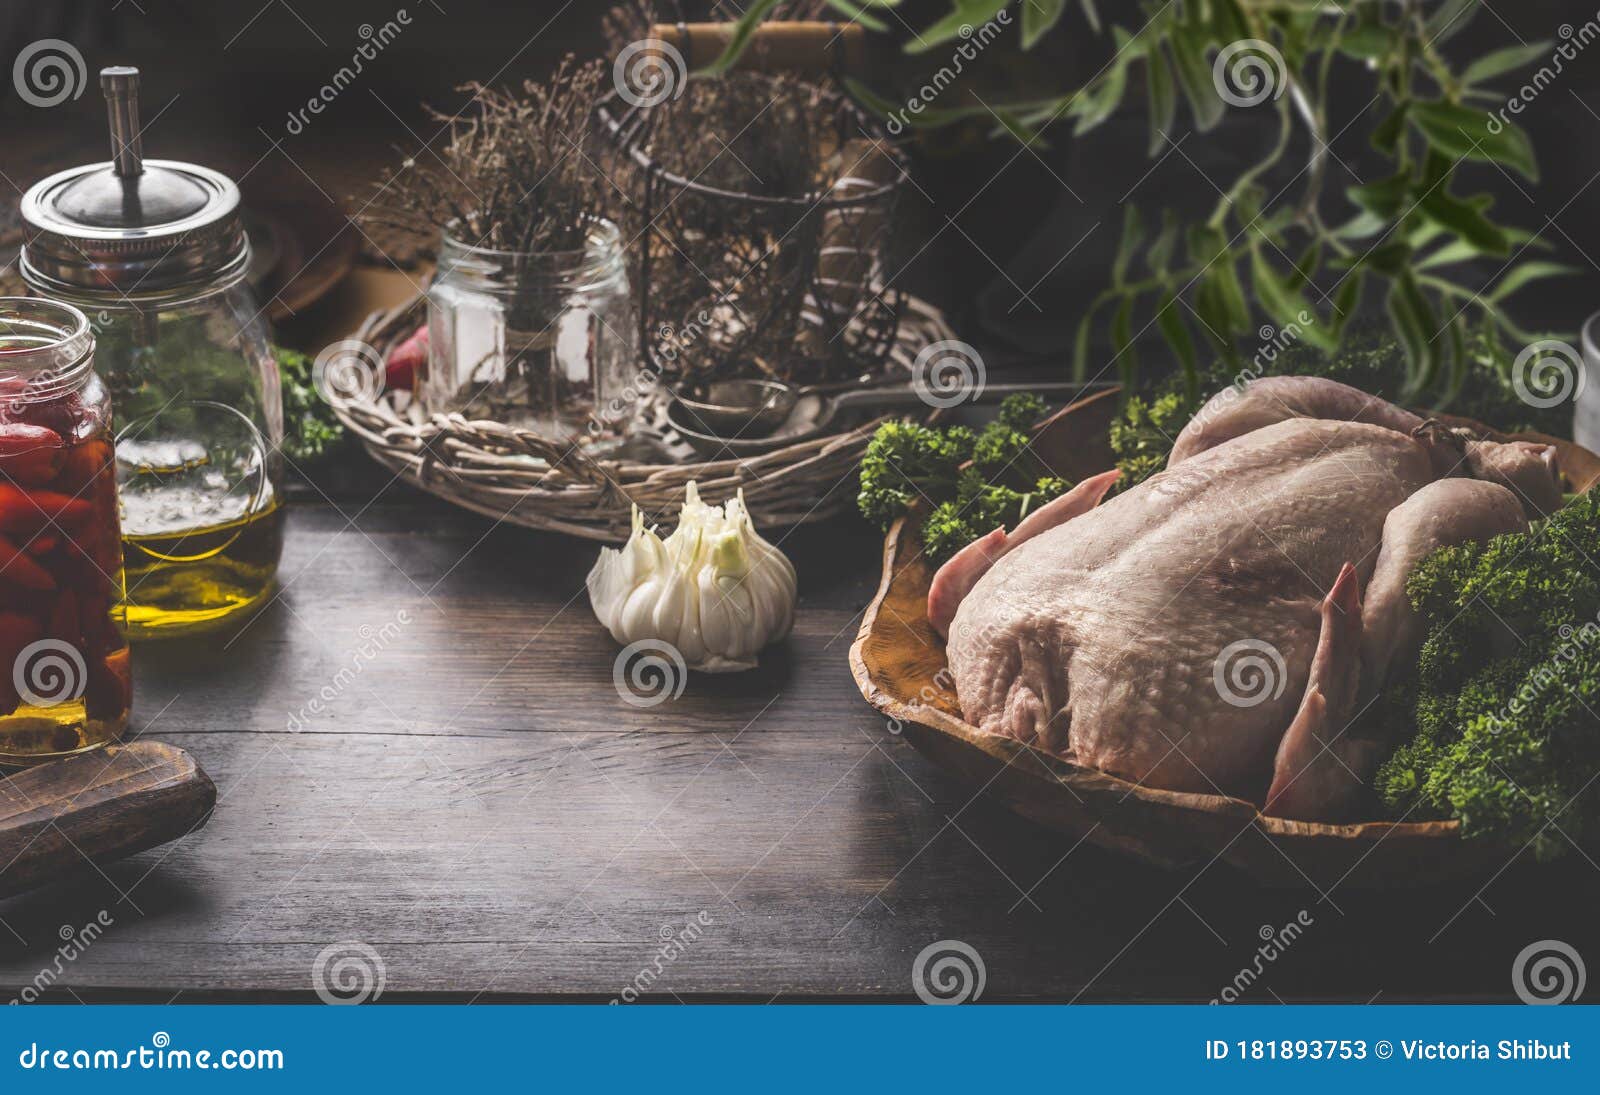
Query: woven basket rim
(517,476)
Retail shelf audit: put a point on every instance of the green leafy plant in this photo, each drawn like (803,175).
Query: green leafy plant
(1308,251)
(971,481)
(310,429)
(1501,722)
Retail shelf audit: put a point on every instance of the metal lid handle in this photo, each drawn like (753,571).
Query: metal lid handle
(121,86)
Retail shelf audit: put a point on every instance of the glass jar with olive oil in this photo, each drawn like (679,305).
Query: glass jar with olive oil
(155,252)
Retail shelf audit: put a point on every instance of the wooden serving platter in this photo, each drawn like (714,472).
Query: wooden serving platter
(899,664)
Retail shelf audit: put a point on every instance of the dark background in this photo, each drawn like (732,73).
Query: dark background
(984,237)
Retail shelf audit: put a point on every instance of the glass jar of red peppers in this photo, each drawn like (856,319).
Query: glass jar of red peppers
(64,677)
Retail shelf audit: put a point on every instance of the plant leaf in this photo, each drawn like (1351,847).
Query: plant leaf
(1132,234)
(1159,256)
(1523,273)
(1100,103)
(967,14)
(1463,216)
(1458,133)
(1449,19)
(1176,333)
(1194,76)
(743,29)
(1092,14)
(1386,137)
(1502,61)
(1163,95)
(1414,321)
(1283,303)
(1038,16)
(1346,299)
(1384,198)
(1127,357)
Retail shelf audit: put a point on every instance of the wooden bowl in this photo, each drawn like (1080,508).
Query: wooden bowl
(899,664)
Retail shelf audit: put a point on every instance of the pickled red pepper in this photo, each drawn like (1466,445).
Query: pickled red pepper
(60,551)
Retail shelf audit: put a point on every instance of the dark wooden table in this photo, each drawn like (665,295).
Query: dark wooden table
(419,747)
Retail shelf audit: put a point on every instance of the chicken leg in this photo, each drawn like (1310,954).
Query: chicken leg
(1322,765)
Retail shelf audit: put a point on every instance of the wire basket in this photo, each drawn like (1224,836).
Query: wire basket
(764,211)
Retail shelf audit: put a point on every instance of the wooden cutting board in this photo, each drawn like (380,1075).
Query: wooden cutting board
(100,807)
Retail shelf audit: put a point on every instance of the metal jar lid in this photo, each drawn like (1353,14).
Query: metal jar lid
(132,226)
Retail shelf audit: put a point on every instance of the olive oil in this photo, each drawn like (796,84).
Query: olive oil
(196,579)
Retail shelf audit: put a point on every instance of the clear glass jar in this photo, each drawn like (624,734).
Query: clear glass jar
(65,684)
(538,340)
(155,251)
(199,408)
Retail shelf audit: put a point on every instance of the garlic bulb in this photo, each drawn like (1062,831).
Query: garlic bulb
(714,589)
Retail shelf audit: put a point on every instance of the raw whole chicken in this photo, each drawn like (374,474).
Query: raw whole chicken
(1217,628)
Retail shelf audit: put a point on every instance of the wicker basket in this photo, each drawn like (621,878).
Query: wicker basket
(517,476)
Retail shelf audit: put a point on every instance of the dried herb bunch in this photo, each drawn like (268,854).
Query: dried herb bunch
(520,171)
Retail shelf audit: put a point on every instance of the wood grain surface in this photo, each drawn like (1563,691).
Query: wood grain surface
(469,796)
